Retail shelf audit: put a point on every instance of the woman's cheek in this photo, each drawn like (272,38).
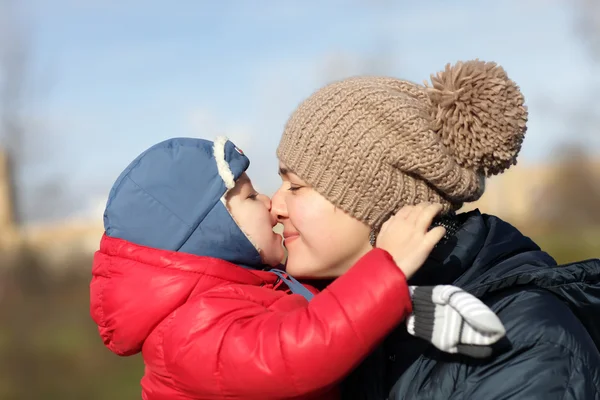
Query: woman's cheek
(313,220)
(302,213)
(295,217)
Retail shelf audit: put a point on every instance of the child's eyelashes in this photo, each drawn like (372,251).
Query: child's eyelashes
(253,196)
(294,188)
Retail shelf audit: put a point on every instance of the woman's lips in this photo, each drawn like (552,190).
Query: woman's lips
(290,237)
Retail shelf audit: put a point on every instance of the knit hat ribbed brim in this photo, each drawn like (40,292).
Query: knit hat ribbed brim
(372,144)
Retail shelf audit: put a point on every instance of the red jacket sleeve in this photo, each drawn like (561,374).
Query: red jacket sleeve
(226,346)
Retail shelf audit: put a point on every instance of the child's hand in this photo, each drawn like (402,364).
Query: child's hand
(406,237)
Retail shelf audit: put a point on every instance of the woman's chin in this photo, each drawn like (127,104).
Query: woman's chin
(289,268)
(299,272)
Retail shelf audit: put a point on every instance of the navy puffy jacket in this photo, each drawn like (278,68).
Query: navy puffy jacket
(551,313)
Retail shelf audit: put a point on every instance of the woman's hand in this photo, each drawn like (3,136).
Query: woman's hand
(406,236)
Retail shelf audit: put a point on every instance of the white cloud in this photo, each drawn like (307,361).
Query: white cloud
(205,124)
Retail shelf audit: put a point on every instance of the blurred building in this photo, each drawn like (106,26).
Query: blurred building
(522,194)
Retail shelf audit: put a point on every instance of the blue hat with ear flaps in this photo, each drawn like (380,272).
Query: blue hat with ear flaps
(169,198)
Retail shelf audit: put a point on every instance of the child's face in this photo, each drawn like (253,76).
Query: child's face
(251,211)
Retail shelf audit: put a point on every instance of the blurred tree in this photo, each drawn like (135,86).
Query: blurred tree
(21,136)
(13,64)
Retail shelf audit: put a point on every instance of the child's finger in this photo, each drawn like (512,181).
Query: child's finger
(427,216)
(404,212)
(433,237)
(410,212)
(415,214)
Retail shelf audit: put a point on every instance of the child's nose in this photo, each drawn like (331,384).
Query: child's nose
(266,200)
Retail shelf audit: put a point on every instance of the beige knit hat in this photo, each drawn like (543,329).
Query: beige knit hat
(372,144)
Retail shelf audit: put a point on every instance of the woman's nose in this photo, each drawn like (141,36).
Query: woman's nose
(278,206)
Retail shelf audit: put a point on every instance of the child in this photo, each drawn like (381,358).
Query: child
(181,277)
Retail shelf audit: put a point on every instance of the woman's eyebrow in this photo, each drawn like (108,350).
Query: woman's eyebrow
(283,171)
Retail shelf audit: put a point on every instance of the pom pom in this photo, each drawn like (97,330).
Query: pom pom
(479,114)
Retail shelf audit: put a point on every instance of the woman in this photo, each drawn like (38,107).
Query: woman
(358,150)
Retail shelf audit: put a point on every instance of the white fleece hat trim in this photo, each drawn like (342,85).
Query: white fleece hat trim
(222,164)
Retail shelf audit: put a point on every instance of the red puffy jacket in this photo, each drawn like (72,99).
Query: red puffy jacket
(208,329)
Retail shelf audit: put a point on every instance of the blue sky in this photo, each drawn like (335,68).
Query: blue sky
(120,76)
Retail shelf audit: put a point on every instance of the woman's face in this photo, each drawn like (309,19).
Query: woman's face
(322,241)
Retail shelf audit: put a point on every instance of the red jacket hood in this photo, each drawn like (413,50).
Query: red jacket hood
(134,288)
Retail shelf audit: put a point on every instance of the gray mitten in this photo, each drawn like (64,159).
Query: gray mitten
(453,320)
